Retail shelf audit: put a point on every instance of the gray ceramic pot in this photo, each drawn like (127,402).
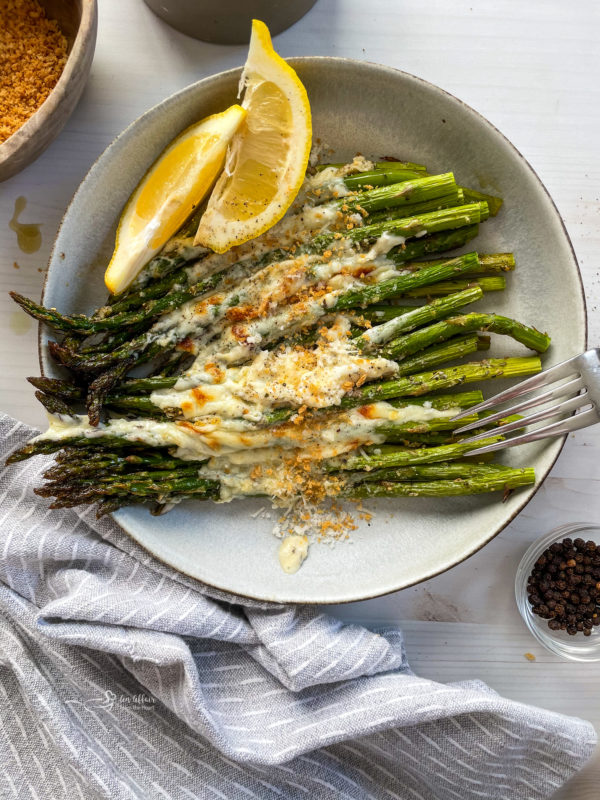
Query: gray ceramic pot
(228,21)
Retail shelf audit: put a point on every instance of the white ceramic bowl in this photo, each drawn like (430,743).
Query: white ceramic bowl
(378,111)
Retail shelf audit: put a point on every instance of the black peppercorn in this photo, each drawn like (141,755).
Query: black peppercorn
(564,586)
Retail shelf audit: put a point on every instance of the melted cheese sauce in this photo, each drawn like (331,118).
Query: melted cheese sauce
(293,551)
(256,311)
(255,295)
(384,244)
(292,376)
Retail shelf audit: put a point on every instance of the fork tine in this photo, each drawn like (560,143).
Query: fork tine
(562,408)
(560,428)
(558,391)
(555,373)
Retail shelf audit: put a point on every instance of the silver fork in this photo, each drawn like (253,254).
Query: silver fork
(581,376)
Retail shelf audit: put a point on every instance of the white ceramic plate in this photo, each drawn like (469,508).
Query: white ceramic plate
(357,107)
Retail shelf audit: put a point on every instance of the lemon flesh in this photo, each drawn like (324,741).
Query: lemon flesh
(168,194)
(268,155)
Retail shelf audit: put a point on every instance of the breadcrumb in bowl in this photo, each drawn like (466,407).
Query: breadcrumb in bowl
(33,54)
(46,50)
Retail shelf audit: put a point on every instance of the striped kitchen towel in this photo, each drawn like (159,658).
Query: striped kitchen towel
(122,679)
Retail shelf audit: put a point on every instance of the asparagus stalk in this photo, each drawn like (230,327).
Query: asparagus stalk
(494,203)
(447,476)
(39,446)
(188,484)
(393,430)
(131,386)
(395,435)
(398,194)
(150,291)
(101,386)
(417,340)
(110,340)
(435,221)
(174,365)
(399,457)
(178,251)
(441,401)
(439,488)
(373,338)
(416,440)
(449,200)
(57,388)
(140,349)
(443,470)
(102,483)
(147,385)
(375,293)
(446,488)
(89,326)
(381,177)
(427,382)
(53,404)
(434,243)
(383,165)
(443,353)
(382,313)
(495,283)
(141,406)
(487,263)
(112,464)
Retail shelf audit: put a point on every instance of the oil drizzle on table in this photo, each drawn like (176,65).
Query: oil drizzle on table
(29,237)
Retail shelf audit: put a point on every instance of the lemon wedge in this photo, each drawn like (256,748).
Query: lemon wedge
(268,155)
(168,193)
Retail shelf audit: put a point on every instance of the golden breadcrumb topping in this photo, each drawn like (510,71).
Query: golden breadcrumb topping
(33,53)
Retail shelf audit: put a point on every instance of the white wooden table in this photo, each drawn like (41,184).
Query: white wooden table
(533,69)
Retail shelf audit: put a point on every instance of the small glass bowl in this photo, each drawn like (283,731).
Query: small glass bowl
(572,648)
